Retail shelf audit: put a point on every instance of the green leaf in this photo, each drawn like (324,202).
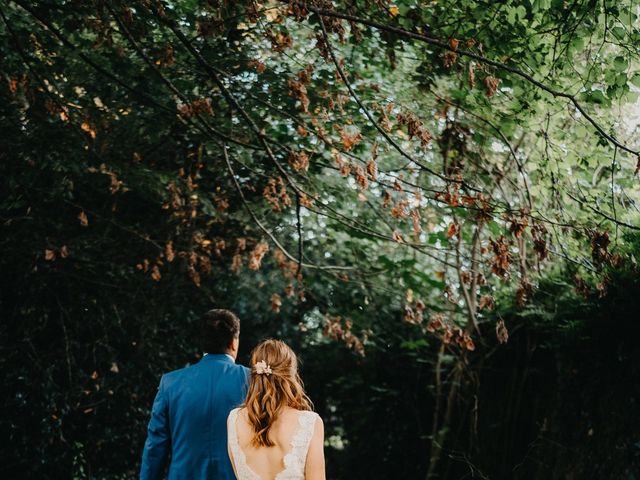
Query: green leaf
(414,344)
(595,96)
(620,63)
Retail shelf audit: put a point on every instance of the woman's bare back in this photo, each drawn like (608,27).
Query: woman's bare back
(292,433)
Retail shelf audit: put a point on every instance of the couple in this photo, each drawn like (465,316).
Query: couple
(272,434)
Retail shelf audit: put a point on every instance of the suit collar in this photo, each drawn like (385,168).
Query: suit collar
(218,357)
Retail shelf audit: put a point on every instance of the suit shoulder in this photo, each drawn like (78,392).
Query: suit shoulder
(171,377)
(243,372)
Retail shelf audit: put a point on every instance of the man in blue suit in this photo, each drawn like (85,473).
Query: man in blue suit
(189,415)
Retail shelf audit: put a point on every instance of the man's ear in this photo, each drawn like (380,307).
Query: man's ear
(235,343)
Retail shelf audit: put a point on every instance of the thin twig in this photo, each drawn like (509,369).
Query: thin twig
(263,227)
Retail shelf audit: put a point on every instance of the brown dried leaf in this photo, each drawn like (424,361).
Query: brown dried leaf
(501,332)
(256,256)
(298,90)
(276,303)
(486,301)
(236,263)
(155,273)
(168,251)
(299,161)
(361,177)
(491,85)
(89,129)
(349,138)
(84,221)
(502,257)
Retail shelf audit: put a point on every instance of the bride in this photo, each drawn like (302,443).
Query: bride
(275,434)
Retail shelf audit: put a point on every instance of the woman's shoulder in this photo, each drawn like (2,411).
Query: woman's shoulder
(235,411)
(305,416)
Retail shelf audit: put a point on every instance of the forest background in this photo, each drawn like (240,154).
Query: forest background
(435,203)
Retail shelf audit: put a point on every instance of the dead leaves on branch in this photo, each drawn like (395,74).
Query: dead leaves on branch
(89,129)
(372,165)
(523,292)
(298,88)
(338,329)
(453,197)
(501,260)
(350,136)
(401,209)
(84,220)
(491,85)
(322,47)
(280,40)
(360,175)
(449,59)
(199,106)
(257,65)
(257,254)
(50,253)
(397,236)
(299,161)
(236,260)
(502,334)
(275,193)
(539,234)
(415,127)
(116,184)
(155,273)
(518,225)
(413,309)
(384,112)
(486,302)
(449,333)
(288,267)
(276,303)
(339,100)
(453,230)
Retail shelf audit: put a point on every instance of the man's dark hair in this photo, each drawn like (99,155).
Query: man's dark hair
(219,328)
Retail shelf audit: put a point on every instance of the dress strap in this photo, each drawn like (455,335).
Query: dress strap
(296,459)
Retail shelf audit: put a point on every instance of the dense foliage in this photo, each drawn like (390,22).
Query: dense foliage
(434,202)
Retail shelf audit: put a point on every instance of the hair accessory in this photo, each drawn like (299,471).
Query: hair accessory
(263,368)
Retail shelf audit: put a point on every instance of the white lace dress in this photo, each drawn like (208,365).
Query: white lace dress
(294,460)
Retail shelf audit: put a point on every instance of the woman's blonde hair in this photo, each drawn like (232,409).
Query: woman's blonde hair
(269,393)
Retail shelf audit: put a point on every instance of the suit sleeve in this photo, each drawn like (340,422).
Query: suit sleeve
(158,444)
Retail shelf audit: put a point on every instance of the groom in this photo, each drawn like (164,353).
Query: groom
(189,415)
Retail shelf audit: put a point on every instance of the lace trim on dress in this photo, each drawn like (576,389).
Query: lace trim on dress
(294,461)
(242,469)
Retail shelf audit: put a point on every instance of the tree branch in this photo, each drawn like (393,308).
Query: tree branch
(499,65)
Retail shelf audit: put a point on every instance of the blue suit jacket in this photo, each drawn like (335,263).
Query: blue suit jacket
(189,420)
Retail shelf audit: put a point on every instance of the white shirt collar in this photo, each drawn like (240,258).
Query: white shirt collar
(232,359)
